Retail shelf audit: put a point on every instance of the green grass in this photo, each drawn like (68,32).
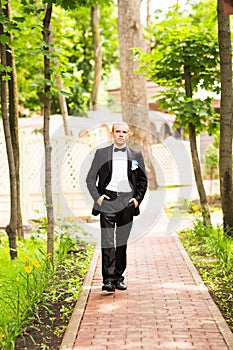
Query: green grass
(22,282)
(25,281)
(211,251)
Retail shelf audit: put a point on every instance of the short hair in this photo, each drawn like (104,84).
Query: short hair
(119,123)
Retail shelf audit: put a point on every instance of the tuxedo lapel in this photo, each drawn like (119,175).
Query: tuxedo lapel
(109,158)
(130,157)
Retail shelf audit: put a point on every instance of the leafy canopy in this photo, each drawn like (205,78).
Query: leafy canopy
(182,46)
(69,4)
(72,46)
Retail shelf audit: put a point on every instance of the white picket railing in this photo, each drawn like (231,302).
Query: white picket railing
(70,162)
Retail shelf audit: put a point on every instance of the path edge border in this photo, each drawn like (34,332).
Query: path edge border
(218,317)
(77,314)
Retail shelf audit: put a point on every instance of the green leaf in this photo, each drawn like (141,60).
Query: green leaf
(4,39)
(5,77)
(64,93)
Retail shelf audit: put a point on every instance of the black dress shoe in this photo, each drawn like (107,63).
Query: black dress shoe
(120,285)
(108,287)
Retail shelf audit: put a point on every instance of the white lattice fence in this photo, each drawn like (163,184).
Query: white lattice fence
(4,182)
(69,196)
(31,170)
(73,173)
(4,174)
(165,169)
(173,164)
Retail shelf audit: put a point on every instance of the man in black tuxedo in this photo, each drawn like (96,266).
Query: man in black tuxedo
(117,182)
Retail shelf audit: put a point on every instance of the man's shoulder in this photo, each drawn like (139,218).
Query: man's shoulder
(134,150)
(104,149)
(103,153)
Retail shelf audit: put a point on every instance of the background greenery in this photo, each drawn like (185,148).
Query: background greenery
(72,43)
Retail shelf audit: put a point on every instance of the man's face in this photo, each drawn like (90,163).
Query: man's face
(120,134)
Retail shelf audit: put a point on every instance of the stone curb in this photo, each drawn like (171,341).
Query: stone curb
(219,319)
(76,317)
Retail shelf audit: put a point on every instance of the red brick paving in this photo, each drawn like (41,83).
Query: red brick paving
(162,309)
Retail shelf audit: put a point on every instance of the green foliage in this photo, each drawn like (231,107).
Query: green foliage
(68,4)
(211,250)
(29,279)
(212,242)
(205,12)
(4,39)
(66,241)
(182,46)
(72,46)
(73,4)
(211,161)
(22,284)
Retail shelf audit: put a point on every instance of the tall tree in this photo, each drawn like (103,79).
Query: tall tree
(47,143)
(13,118)
(133,86)
(148,24)
(11,228)
(226,122)
(60,86)
(185,59)
(97,43)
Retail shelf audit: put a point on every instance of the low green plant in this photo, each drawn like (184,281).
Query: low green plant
(211,250)
(177,210)
(211,161)
(25,282)
(22,286)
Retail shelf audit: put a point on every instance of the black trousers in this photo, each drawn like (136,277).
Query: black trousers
(116,219)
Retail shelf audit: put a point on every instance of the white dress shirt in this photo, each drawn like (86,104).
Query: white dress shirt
(119,181)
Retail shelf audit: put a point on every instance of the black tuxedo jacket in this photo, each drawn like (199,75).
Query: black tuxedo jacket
(100,174)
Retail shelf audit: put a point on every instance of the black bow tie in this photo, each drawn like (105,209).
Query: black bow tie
(119,149)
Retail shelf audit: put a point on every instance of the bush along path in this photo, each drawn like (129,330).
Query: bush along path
(37,300)
(211,251)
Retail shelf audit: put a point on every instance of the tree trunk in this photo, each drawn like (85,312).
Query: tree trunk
(133,86)
(13,117)
(12,226)
(198,176)
(195,158)
(95,15)
(62,99)
(211,184)
(148,23)
(47,144)
(226,123)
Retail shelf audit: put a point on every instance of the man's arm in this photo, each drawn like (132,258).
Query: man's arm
(142,179)
(92,177)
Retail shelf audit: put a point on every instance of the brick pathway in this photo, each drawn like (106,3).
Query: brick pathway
(165,307)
